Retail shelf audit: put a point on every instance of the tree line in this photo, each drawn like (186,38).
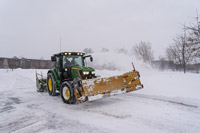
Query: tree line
(185,48)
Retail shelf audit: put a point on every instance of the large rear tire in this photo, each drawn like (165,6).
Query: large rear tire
(51,84)
(67,93)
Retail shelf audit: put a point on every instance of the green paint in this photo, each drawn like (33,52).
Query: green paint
(40,83)
(75,70)
(74,73)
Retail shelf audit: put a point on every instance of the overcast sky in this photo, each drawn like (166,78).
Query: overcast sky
(32,28)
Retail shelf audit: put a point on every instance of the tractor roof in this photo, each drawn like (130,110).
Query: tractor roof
(70,53)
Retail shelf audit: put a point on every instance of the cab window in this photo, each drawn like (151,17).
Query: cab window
(71,61)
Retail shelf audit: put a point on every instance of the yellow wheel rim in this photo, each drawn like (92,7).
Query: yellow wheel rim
(66,93)
(50,84)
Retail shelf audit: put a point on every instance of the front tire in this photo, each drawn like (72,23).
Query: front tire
(67,93)
(51,84)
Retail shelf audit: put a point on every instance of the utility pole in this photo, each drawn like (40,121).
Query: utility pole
(60,44)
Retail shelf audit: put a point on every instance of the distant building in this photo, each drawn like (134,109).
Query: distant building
(24,63)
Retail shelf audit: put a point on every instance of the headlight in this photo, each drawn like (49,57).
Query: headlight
(93,72)
(85,73)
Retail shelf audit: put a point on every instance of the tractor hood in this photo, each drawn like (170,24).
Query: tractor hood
(84,72)
(82,68)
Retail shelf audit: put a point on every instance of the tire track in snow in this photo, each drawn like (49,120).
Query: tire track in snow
(162,99)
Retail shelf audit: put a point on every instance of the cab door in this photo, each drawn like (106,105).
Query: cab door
(59,66)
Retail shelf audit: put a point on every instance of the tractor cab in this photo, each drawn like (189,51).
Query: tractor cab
(71,65)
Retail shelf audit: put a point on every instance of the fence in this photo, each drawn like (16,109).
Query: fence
(12,63)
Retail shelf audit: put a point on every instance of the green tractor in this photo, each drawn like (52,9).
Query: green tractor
(70,68)
(76,83)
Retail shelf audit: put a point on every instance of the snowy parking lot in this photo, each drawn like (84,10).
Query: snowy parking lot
(169,102)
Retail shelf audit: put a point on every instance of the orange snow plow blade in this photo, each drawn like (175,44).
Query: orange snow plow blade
(124,83)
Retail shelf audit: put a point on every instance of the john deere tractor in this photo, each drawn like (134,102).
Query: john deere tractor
(75,82)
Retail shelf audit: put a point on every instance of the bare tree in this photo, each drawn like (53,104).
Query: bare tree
(172,54)
(180,51)
(143,51)
(193,38)
(88,51)
(186,47)
(104,50)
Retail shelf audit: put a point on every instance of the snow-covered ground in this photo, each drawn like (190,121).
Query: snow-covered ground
(169,102)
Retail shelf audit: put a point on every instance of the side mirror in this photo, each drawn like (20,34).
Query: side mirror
(53,58)
(91,59)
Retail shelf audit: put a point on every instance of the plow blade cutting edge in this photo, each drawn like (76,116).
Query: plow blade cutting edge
(107,86)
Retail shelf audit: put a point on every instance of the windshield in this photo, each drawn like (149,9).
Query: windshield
(71,61)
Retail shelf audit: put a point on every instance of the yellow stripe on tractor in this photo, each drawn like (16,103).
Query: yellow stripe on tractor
(127,82)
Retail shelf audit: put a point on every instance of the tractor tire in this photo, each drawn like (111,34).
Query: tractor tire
(67,93)
(51,84)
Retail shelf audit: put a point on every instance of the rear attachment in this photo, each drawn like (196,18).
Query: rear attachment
(40,82)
